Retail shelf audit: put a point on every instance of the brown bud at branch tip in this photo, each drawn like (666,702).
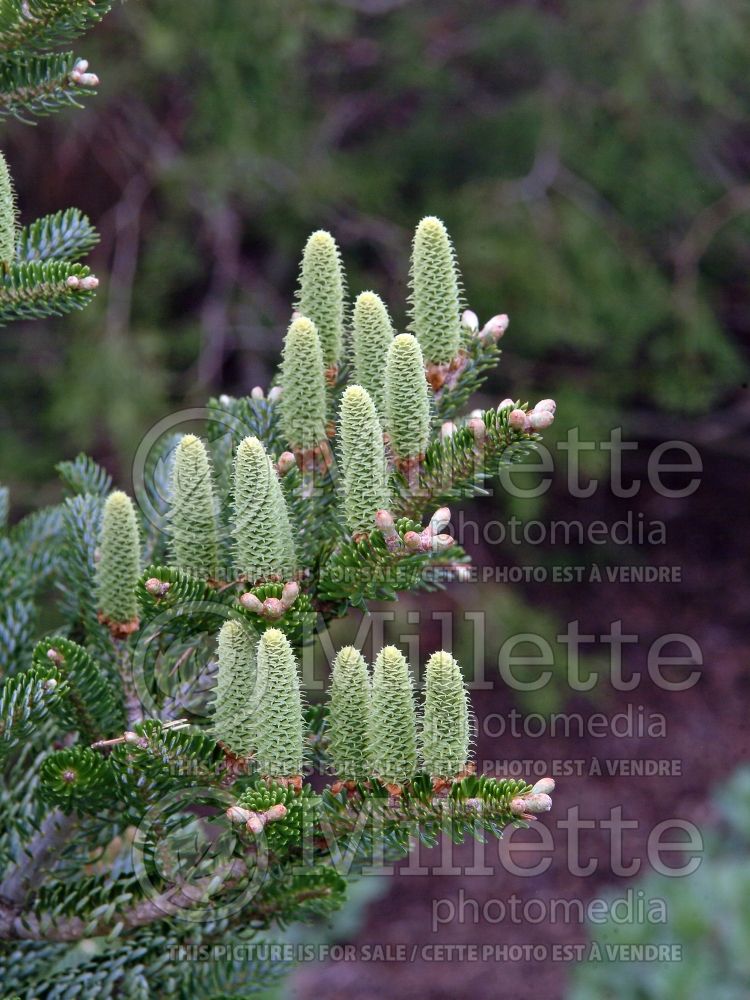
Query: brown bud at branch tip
(544,786)
(539,420)
(273,608)
(236,814)
(156,587)
(286,463)
(289,594)
(252,603)
(276,812)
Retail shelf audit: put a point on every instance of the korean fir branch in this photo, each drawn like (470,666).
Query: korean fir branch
(81,516)
(65,235)
(82,475)
(76,780)
(37,289)
(25,702)
(400,555)
(456,383)
(466,455)
(62,236)
(39,275)
(154,758)
(412,771)
(17,626)
(89,703)
(38,85)
(40,24)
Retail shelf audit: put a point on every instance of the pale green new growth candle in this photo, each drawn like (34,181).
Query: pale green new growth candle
(407,398)
(192,510)
(393,739)
(349,716)
(435,292)
(363,459)
(119,564)
(8,220)
(280,734)
(264,544)
(372,334)
(321,292)
(444,733)
(303,398)
(236,707)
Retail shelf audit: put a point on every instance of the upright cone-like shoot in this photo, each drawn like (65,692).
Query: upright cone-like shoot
(119,564)
(280,734)
(372,334)
(264,544)
(435,292)
(393,740)
(321,292)
(192,510)
(303,401)
(349,716)
(407,398)
(444,734)
(363,460)
(236,708)
(8,220)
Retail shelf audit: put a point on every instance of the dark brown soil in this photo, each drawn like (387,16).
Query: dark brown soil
(707,735)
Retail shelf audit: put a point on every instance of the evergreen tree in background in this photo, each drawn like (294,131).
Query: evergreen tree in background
(156,742)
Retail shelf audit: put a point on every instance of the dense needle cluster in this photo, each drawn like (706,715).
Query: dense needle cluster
(182,670)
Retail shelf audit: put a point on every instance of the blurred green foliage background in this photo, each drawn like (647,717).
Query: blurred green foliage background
(590,160)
